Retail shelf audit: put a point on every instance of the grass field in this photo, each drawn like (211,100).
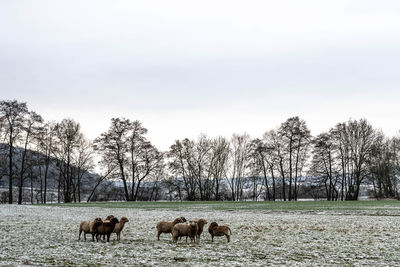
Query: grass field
(264,233)
(382,205)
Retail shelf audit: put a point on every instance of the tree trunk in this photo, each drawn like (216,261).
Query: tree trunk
(59,188)
(31,178)
(217,191)
(41,184)
(121,167)
(46,171)
(283,181)
(22,171)
(20,193)
(273,182)
(290,169)
(267,195)
(10,173)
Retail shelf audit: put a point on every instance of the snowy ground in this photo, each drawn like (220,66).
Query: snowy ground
(43,235)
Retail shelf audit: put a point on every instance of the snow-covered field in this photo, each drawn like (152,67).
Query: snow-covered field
(43,235)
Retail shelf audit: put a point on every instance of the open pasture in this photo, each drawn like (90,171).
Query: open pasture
(295,233)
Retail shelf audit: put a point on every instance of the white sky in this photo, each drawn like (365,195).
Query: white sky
(218,67)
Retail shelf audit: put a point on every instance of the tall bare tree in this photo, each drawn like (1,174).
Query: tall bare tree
(149,163)
(325,164)
(271,151)
(219,159)
(384,168)
(201,165)
(69,136)
(354,140)
(296,137)
(12,116)
(277,159)
(82,165)
(125,144)
(112,146)
(46,144)
(240,155)
(30,127)
(198,162)
(262,166)
(180,155)
(145,160)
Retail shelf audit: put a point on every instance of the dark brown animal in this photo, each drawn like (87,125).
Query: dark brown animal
(119,226)
(201,224)
(166,227)
(105,228)
(108,218)
(185,229)
(87,227)
(222,230)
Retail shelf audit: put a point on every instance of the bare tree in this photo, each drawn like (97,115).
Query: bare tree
(325,165)
(30,126)
(270,150)
(149,163)
(354,141)
(180,155)
(197,156)
(240,151)
(82,165)
(262,166)
(12,114)
(296,137)
(383,167)
(68,138)
(256,167)
(219,160)
(137,159)
(278,158)
(145,160)
(201,165)
(112,146)
(46,140)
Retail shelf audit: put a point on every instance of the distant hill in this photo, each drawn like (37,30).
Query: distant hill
(38,173)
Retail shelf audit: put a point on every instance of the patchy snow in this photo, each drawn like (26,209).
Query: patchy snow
(38,235)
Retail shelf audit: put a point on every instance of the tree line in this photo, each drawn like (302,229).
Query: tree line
(285,163)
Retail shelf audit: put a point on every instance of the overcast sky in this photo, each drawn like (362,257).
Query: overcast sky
(217,67)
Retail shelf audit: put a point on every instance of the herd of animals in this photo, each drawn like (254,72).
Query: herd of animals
(178,228)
